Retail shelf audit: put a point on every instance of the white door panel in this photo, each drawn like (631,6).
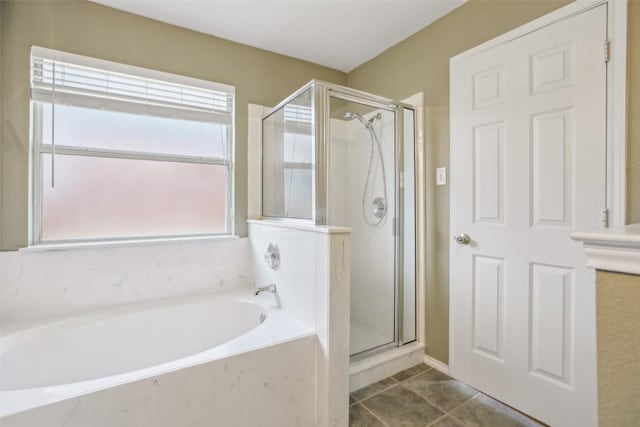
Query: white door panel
(528,129)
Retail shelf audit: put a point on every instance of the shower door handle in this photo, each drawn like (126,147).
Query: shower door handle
(462,239)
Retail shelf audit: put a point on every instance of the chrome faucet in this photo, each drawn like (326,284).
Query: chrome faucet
(268,288)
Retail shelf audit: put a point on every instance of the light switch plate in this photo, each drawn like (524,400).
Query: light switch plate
(441,176)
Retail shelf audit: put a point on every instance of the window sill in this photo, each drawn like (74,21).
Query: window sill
(43,247)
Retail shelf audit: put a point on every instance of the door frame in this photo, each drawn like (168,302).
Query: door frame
(616,117)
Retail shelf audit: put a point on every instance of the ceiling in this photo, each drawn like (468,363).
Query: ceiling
(340,34)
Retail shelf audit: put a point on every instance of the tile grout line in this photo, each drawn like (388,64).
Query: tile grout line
(354,398)
(436,420)
(434,404)
(374,415)
(469,400)
(428,401)
(413,376)
(379,391)
(466,401)
(393,385)
(456,418)
(397,383)
(445,412)
(361,402)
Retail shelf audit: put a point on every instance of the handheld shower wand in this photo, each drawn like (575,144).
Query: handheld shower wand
(379,203)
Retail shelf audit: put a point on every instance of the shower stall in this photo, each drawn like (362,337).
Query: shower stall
(337,156)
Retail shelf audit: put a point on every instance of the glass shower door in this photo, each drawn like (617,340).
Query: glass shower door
(362,195)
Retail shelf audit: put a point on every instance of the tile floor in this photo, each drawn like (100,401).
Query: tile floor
(422,396)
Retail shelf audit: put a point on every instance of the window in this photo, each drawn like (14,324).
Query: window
(121,152)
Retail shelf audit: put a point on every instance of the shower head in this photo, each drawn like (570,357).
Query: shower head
(367,123)
(350,116)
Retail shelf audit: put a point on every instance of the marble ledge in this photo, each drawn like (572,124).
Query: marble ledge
(615,249)
(301,225)
(101,244)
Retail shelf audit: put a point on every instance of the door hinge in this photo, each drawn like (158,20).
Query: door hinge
(605,217)
(606,51)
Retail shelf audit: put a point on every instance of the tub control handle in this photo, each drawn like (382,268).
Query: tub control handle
(272,256)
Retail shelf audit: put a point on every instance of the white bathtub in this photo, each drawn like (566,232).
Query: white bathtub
(72,357)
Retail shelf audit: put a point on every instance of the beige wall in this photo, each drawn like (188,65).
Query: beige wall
(618,349)
(89,29)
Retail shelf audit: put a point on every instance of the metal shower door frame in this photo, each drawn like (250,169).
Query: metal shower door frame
(321,94)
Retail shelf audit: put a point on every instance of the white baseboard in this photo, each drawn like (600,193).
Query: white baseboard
(436,364)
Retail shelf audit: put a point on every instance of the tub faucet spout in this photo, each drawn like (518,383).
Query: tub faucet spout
(268,288)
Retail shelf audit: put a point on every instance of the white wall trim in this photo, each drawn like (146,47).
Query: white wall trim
(572,9)
(617,113)
(616,249)
(254,160)
(436,364)
(417,101)
(301,225)
(608,259)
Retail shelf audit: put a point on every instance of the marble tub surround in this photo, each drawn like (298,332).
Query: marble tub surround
(269,386)
(313,284)
(24,388)
(48,283)
(292,369)
(422,396)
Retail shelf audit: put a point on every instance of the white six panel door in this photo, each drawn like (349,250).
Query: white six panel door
(528,132)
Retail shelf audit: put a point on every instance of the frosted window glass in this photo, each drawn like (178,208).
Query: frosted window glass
(96,197)
(113,130)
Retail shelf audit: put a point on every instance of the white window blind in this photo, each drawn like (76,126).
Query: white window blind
(300,114)
(297,119)
(71,79)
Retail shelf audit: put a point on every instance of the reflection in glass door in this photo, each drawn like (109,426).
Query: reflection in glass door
(287,160)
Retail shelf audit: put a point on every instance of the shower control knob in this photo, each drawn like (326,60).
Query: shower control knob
(379,207)
(462,239)
(272,256)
